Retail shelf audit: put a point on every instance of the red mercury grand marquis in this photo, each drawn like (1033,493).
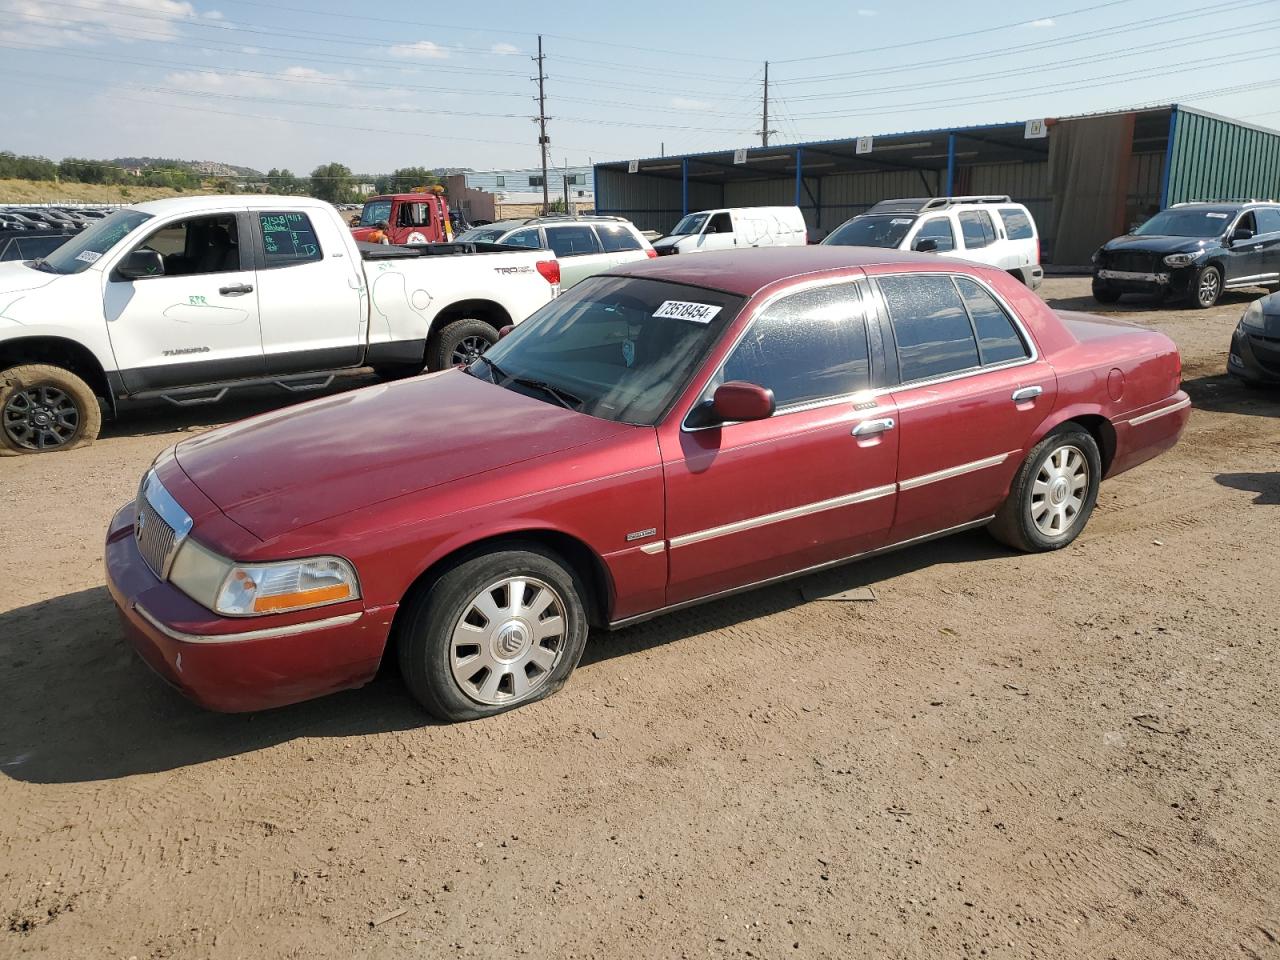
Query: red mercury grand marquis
(669,432)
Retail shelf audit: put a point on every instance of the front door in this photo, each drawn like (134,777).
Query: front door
(971,393)
(198,322)
(813,483)
(719,233)
(313,308)
(1251,262)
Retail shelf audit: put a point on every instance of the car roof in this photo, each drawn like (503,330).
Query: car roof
(1222,206)
(231,201)
(745,272)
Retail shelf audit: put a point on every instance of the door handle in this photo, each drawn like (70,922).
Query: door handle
(1026,393)
(867,427)
(236,288)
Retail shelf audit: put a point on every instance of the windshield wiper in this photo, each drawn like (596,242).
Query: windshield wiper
(40,263)
(497,370)
(562,397)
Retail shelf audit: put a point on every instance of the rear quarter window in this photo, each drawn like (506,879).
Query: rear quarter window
(930,326)
(1017,224)
(998,339)
(616,239)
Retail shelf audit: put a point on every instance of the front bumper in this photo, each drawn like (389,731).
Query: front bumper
(1254,357)
(1168,281)
(239,664)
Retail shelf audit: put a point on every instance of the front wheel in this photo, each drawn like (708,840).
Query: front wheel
(1105,294)
(460,342)
(1053,493)
(1207,287)
(44,408)
(498,631)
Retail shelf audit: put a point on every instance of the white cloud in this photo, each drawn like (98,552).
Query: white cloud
(688,103)
(422,50)
(31,22)
(1044,23)
(865,12)
(213,15)
(504,49)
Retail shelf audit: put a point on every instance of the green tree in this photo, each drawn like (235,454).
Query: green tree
(283,181)
(405,180)
(332,182)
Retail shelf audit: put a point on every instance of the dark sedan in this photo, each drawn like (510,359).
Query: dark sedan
(1255,345)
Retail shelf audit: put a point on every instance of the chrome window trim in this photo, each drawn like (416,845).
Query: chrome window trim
(959,470)
(1163,411)
(264,634)
(791,513)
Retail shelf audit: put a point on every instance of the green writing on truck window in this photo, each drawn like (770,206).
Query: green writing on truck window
(288,238)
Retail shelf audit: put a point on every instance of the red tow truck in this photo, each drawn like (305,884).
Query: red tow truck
(410,218)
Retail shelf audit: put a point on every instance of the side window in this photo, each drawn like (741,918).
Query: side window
(288,238)
(998,339)
(720,223)
(1268,219)
(524,238)
(1017,224)
(939,231)
(572,241)
(975,225)
(930,326)
(1247,222)
(196,246)
(413,215)
(501,181)
(809,346)
(616,239)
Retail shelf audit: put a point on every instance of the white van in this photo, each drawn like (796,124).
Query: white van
(735,228)
(992,230)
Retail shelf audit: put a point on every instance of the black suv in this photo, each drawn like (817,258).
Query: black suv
(1193,251)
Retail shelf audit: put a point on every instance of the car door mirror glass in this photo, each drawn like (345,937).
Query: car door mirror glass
(1241,234)
(140,264)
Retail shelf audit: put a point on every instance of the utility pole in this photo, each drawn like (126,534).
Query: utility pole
(543,139)
(764,123)
(565,180)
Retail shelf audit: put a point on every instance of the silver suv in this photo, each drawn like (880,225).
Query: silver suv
(583,245)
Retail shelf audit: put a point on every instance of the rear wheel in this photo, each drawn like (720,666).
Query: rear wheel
(497,631)
(1207,287)
(44,408)
(462,341)
(1053,493)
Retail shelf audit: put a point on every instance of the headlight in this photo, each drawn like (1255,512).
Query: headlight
(1252,319)
(252,590)
(1096,257)
(1179,259)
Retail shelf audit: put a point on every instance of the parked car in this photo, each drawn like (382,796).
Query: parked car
(23,244)
(663,434)
(189,298)
(46,217)
(991,229)
(584,246)
(1255,345)
(1192,252)
(736,227)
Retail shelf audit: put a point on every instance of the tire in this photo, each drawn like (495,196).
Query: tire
(455,679)
(44,408)
(1105,294)
(398,371)
(1026,520)
(1206,288)
(459,342)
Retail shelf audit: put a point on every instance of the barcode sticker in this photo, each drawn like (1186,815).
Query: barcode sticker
(683,310)
(89,256)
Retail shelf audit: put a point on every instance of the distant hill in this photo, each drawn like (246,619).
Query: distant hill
(210,168)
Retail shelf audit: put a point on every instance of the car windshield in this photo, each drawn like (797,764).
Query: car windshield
(1186,223)
(880,230)
(482,235)
(689,224)
(617,348)
(374,212)
(84,249)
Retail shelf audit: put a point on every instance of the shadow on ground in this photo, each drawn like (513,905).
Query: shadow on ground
(79,706)
(1140,304)
(1222,393)
(1265,485)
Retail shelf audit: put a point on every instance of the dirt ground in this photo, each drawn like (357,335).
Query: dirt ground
(1058,756)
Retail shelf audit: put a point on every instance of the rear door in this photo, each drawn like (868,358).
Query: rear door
(620,245)
(971,390)
(811,484)
(978,236)
(1269,236)
(309,293)
(578,250)
(1247,263)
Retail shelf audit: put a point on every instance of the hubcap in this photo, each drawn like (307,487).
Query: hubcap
(508,640)
(1057,496)
(1209,287)
(40,418)
(469,349)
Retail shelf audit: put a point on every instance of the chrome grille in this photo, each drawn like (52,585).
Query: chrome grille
(160,525)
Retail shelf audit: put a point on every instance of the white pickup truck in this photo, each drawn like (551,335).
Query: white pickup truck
(186,299)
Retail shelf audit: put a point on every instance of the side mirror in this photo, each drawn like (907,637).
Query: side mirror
(738,401)
(139,264)
(505,330)
(925,245)
(1240,234)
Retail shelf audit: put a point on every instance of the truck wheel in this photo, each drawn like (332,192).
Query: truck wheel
(498,631)
(45,408)
(460,342)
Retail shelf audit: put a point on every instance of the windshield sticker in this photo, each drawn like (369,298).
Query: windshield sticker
(89,256)
(682,310)
(900,220)
(1218,216)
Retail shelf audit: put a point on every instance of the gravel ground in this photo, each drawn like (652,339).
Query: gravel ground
(1065,755)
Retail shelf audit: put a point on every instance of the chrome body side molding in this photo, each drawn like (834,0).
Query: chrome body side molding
(1163,411)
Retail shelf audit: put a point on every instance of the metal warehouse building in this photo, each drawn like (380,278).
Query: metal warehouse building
(1085,179)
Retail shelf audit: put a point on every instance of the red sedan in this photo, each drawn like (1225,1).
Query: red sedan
(673,431)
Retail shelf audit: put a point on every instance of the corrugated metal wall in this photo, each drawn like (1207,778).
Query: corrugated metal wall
(1143,200)
(651,203)
(1027,182)
(1214,159)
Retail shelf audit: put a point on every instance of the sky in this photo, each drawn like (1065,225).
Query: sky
(395,84)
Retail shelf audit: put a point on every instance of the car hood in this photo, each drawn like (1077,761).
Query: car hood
(664,243)
(17,277)
(1163,245)
(285,469)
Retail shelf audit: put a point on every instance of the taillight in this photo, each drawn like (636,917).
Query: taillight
(651,253)
(550,270)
